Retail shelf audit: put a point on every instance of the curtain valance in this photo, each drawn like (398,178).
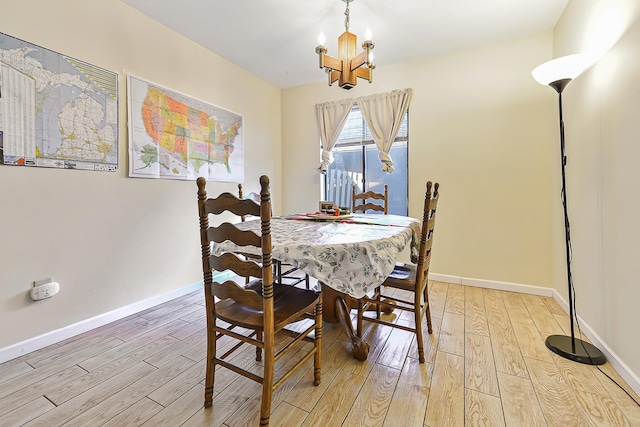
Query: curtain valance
(382,112)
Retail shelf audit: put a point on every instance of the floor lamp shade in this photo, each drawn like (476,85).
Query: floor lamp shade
(565,67)
(558,73)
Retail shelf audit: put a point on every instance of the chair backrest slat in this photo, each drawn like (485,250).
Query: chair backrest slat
(368,205)
(230,261)
(230,289)
(227,231)
(370,195)
(229,202)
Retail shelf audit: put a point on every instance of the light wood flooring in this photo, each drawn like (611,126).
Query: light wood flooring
(487,365)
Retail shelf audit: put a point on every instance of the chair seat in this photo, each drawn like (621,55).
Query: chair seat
(400,279)
(288,302)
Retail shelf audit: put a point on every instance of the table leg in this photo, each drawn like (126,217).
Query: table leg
(336,307)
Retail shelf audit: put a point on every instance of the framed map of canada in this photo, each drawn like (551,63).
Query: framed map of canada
(175,136)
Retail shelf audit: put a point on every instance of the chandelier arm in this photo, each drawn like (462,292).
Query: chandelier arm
(365,73)
(333,77)
(332,63)
(359,61)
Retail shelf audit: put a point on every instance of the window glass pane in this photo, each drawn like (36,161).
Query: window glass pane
(402,132)
(376,178)
(353,130)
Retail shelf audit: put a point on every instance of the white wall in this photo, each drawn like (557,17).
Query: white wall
(109,240)
(482,127)
(602,109)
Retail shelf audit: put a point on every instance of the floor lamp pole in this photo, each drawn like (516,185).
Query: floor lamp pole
(570,347)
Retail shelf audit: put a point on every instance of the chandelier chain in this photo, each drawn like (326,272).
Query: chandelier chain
(346,14)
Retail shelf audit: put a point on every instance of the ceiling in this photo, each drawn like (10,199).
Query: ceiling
(276,39)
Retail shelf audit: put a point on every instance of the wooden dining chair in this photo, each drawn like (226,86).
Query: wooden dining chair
(410,278)
(277,264)
(253,314)
(364,206)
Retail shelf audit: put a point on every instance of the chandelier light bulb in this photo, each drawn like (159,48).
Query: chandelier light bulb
(321,39)
(367,34)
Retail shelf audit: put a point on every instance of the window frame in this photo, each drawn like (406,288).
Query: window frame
(364,143)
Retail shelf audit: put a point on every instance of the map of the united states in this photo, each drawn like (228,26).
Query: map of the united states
(175,136)
(185,131)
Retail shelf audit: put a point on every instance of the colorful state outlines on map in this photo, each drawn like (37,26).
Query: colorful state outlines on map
(186,133)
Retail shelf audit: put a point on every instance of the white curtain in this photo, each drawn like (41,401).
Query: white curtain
(331,117)
(384,113)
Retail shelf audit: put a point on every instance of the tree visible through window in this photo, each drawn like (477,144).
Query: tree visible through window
(356,164)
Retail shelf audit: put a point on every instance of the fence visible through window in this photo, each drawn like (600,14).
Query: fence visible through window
(339,185)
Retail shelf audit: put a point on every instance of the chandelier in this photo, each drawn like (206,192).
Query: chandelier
(348,67)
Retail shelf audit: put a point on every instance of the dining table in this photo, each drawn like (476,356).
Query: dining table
(349,255)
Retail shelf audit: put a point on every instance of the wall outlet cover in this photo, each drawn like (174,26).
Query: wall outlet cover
(44,291)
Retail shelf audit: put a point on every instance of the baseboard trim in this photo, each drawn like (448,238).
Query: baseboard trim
(492,284)
(49,338)
(507,286)
(456,280)
(618,364)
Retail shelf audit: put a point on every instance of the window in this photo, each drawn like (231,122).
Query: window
(356,164)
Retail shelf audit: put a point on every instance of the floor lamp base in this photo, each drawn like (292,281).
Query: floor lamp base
(575,349)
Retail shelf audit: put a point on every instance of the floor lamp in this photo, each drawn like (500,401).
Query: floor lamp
(558,73)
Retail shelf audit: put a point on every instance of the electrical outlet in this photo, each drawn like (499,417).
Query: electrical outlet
(44,291)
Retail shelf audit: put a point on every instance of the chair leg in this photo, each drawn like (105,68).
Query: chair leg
(418,320)
(267,383)
(317,358)
(211,367)
(428,311)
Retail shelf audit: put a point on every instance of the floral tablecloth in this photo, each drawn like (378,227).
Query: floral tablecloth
(352,256)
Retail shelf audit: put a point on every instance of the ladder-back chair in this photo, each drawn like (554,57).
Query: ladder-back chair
(364,206)
(259,310)
(409,278)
